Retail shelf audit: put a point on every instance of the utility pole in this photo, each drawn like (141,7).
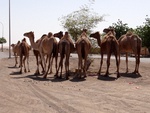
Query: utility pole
(9,31)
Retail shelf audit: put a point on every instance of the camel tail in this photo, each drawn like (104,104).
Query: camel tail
(22,49)
(55,50)
(83,49)
(63,49)
(139,45)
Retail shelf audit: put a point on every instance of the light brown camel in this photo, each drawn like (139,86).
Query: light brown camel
(65,50)
(83,46)
(131,43)
(16,51)
(44,46)
(54,52)
(108,45)
(37,56)
(24,54)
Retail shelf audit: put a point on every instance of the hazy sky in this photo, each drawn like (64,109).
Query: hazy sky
(41,16)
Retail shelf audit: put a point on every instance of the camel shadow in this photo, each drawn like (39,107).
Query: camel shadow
(77,79)
(37,77)
(13,67)
(15,73)
(108,78)
(130,75)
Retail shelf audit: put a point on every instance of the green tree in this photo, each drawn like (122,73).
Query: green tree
(81,19)
(144,32)
(2,41)
(120,28)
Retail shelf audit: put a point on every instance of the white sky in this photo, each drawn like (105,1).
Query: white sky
(41,16)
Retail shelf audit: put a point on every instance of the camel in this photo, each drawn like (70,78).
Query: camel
(131,43)
(83,46)
(65,50)
(54,52)
(24,51)
(44,46)
(108,45)
(60,36)
(16,50)
(37,55)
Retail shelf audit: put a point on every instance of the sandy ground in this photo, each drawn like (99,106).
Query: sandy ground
(26,93)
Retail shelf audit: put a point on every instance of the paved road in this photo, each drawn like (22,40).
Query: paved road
(146,60)
(4,55)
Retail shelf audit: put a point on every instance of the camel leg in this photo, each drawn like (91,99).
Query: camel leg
(67,67)
(61,64)
(85,66)
(117,64)
(56,57)
(49,63)
(16,60)
(108,64)
(56,75)
(137,58)
(28,63)
(126,62)
(101,62)
(79,66)
(21,64)
(24,64)
(37,63)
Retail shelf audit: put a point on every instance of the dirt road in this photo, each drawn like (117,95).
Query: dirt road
(26,93)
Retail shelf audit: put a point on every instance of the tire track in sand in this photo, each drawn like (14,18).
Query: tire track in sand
(55,103)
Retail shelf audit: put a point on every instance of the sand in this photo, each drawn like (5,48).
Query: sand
(27,93)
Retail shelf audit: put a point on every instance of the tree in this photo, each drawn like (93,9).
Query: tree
(2,40)
(81,19)
(144,32)
(120,28)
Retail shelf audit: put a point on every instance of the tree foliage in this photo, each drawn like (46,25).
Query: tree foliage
(2,41)
(120,28)
(81,19)
(144,32)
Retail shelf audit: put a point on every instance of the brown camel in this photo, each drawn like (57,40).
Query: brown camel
(131,43)
(16,51)
(108,45)
(44,46)
(60,36)
(24,54)
(83,47)
(64,49)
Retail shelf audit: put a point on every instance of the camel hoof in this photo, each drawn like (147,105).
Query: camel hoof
(118,76)
(106,75)
(56,76)
(67,78)
(44,77)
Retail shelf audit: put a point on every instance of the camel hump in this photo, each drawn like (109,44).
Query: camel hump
(129,33)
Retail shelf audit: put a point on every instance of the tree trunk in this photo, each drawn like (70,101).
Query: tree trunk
(2,47)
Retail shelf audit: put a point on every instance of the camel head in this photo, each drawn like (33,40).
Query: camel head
(95,35)
(12,45)
(59,34)
(29,34)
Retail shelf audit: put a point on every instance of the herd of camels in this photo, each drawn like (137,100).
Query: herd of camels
(47,48)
